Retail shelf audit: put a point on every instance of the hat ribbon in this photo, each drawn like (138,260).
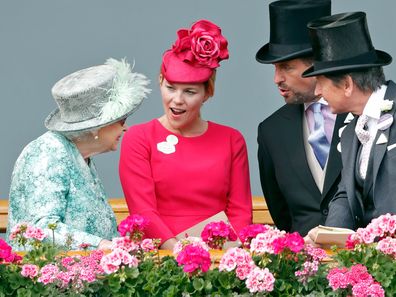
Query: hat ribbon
(365,58)
(285,49)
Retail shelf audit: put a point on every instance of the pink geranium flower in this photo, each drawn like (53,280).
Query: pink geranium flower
(356,279)
(388,246)
(124,243)
(239,260)
(379,228)
(292,241)
(190,240)
(249,232)
(194,259)
(17,230)
(6,254)
(48,274)
(215,234)
(364,289)
(113,261)
(264,242)
(260,280)
(34,233)
(30,270)
(149,245)
(133,225)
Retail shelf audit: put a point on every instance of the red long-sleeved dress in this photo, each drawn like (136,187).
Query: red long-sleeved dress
(179,181)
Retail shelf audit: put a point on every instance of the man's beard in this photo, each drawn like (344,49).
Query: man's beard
(299,97)
(303,98)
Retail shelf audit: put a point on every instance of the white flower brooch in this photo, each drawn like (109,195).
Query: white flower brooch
(386,105)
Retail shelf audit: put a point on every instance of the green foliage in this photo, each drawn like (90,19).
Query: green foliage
(284,265)
(12,283)
(42,254)
(165,278)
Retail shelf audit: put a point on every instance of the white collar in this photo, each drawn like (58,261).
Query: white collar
(373,105)
(308,104)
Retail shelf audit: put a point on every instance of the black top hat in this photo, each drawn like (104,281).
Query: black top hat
(342,43)
(289,37)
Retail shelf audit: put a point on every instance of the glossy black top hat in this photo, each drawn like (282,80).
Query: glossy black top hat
(289,37)
(342,43)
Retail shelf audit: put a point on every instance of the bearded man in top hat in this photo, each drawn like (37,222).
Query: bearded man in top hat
(298,159)
(349,76)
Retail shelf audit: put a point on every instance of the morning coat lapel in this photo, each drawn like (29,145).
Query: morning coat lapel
(294,145)
(349,150)
(380,149)
(334,163)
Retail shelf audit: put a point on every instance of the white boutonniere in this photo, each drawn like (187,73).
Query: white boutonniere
(386,105)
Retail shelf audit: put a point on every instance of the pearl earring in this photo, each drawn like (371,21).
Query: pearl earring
(96,137)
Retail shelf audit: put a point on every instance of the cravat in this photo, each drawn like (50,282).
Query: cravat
(364,137)
(317,139)
(362,134)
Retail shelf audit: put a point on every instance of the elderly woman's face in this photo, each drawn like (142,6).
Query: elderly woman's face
(109,136)
(182,103)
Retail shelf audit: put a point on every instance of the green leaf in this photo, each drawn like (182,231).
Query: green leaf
(208,285)
(132,272)
(224,280)
(114,283)
(22,292)
(198,284)
(172,291)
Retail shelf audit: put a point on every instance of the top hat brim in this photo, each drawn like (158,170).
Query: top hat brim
(54,121)
(383,59)
(264,55)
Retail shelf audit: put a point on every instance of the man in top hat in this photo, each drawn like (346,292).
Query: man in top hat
(298,159)
(349,76)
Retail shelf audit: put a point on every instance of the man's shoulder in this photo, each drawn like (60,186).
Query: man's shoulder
(283,113)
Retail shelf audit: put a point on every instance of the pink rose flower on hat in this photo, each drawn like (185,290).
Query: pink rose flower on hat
(195,54)
(203,44)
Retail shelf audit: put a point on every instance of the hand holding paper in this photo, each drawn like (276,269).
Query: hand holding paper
(332,235)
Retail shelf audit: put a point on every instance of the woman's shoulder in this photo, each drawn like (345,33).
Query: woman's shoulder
(142,127)
(225,130)
(141,133)
(41,154)
(147,130)
(46,143)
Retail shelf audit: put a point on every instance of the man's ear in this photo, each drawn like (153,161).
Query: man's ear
(348,86)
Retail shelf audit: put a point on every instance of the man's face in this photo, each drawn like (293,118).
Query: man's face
(291,85)
(332,93)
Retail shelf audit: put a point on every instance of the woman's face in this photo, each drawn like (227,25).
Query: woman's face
(182,103)
(109,136)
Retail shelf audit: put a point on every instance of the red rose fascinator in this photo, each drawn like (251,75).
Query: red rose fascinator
(195,54)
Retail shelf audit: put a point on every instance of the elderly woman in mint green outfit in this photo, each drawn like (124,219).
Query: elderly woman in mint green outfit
(54,179)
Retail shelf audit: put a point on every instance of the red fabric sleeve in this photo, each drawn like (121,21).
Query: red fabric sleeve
(137,182)
(239,205)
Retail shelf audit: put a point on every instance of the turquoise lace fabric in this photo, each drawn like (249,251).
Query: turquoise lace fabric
(51,183)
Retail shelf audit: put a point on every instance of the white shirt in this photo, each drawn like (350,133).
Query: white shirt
(373,110)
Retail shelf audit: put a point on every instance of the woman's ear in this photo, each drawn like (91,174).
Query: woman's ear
(95,134)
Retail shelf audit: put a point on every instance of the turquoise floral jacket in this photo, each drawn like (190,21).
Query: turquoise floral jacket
(51,183)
